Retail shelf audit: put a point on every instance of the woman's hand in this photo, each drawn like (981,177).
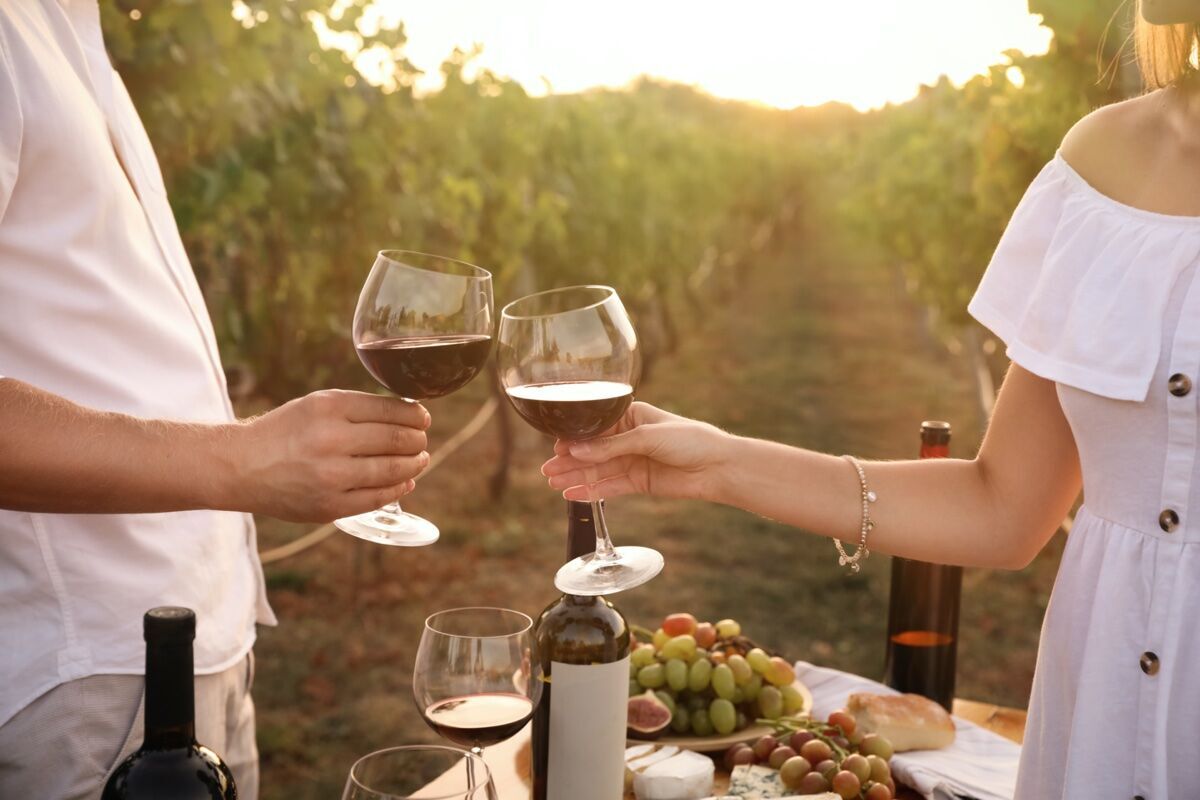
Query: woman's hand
(650,451)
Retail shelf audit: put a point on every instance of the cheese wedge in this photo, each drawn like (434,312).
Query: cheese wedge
(753,782)
(683,776)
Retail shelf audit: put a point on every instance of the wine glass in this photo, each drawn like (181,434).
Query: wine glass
(477,678)
(419,772)
(569,363)
(423,329)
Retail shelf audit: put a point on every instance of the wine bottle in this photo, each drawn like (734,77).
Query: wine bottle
(922,641)
(579,725)
(170,763)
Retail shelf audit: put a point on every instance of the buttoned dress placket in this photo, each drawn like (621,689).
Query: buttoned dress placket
(1155,664)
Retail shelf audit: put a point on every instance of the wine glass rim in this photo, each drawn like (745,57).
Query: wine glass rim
(443,747)
(609,294)
(472,271)
(430,626)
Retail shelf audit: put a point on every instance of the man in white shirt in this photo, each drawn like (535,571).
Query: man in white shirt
(125,479)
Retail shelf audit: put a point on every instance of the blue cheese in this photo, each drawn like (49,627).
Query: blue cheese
(752,782)
(749,782)
(822,796)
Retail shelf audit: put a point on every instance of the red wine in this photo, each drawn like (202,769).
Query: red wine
(920,662)
(480,720)
(572,409)
(421,367)
(923,612)
(578,748)
(170,763)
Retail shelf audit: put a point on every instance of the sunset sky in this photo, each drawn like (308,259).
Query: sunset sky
(863,52)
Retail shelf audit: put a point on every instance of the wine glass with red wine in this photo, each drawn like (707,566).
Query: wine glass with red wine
(423,329)
(477,678)
(569,363)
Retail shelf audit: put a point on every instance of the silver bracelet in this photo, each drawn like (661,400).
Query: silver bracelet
(868,497)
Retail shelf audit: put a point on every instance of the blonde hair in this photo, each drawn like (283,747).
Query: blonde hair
(1166,54)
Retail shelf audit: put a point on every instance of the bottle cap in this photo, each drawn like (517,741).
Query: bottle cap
(169,625)
(935,431)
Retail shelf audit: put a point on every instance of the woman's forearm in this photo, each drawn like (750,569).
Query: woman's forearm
(996,510)
(940,510)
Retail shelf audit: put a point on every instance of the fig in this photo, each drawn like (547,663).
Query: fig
(648,716)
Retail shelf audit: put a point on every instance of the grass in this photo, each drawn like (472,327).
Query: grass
(814,347)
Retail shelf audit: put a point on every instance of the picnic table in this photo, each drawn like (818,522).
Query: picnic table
(509,761)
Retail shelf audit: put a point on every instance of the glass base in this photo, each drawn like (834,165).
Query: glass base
(590,575)
(382,526)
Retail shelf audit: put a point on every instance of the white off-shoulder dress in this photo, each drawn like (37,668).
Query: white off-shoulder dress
(1103,299)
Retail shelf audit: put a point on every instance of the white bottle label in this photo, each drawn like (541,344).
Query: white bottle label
(588,712)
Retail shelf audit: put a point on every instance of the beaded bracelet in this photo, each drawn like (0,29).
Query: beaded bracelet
(868,497)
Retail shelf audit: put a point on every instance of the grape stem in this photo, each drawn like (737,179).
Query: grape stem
(817,729)
(642,634)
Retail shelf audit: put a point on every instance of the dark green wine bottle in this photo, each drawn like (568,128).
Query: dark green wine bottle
(170,763)
(579,725)
(922,643)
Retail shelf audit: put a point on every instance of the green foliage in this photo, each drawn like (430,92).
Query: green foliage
(287,172)
(934,181)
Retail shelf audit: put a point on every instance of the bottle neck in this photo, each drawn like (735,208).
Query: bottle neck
(581,530)
(170,696)
(935,449)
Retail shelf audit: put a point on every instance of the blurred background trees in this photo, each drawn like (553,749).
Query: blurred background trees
(287,170)
(932,182)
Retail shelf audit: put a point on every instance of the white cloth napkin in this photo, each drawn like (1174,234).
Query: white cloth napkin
(980,764)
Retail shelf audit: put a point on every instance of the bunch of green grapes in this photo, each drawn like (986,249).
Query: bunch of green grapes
(711,678)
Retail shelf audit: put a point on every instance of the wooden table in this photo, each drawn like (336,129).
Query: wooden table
(509,761)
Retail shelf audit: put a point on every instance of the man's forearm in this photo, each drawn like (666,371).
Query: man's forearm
(57,456)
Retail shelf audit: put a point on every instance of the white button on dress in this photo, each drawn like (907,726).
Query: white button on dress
(1104,299)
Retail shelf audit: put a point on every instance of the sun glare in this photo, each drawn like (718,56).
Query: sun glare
(862,52)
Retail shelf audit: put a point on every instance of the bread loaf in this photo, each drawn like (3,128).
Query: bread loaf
(908,721)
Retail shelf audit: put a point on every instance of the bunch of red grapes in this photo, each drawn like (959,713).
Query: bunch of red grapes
(832,756)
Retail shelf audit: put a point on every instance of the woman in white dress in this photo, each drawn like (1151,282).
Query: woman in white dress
(1094,289)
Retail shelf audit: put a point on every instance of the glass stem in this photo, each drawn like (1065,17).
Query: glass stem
(472,781)
(394,506)
(604,545)
(387,515)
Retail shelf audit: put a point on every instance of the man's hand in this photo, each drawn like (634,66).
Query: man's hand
(329,454)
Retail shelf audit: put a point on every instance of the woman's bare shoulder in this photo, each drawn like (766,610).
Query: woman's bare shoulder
(1107,146)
